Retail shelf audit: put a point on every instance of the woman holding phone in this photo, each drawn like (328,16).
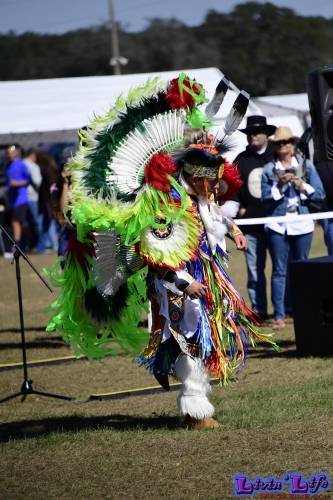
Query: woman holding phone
(289,183)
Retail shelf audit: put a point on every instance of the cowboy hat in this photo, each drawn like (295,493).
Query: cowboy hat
(257,124)
(283,134)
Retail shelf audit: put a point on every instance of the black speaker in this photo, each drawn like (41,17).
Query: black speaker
(319,85)
(312,294)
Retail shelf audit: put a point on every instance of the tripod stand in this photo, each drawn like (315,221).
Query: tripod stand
(26,387)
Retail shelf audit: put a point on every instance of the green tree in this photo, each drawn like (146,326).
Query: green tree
(264,48)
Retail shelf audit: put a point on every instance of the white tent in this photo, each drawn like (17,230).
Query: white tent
(52,110)
(294,107)
(67,103)
(294,102)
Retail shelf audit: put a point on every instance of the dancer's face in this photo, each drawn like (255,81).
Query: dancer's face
(202,186)
(206,187)
(199,185)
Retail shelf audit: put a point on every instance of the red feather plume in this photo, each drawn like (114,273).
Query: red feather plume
(157,170)
(232,178)
(180,98)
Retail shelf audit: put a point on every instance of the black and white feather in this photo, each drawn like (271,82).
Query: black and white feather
(113,262)
(108,270)
(214,105)
(237,113)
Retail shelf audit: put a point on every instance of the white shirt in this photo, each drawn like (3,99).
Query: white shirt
(292,228)
(36,177)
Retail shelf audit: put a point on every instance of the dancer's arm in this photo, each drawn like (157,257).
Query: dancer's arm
(235,233)
(184,283)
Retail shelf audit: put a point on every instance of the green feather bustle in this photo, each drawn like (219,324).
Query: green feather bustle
(129,220)
(88,337)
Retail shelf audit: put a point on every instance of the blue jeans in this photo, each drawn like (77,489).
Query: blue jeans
(48,236)
(327,225)
(256,280)
(33,219)
(283,248)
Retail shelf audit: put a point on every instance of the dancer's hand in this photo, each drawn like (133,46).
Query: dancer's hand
(240,242)
(196,290)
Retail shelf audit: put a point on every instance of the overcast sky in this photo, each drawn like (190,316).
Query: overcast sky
(58,16)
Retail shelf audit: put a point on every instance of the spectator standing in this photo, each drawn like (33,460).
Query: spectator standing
(5,244)
(48,228)
(60,197)
(250,165)
(17,180)
(30,160)
(289,183)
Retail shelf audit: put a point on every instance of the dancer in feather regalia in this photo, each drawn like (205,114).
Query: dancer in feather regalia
(148,191)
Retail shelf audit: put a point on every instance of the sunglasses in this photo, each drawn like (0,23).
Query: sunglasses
(284,142)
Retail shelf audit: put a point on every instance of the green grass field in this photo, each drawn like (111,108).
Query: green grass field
(277,417)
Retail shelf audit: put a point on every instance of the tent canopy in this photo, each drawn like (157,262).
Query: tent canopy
(68,103)
(296,102)
(52,110)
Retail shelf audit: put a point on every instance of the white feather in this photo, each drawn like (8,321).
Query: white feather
(153,244)
(135,151)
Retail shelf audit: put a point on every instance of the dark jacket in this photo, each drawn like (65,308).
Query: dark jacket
(250,165)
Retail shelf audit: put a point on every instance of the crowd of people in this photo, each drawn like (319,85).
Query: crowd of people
(30,200)
(277,180)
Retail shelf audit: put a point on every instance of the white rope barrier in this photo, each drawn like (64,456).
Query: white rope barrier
(284,218)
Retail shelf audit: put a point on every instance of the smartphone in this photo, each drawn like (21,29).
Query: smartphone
(281,171)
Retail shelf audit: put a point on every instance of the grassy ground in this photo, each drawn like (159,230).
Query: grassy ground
(277,417)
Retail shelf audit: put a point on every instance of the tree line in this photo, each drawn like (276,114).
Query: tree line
(264,48)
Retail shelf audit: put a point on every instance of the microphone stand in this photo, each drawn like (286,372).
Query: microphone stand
(26,387)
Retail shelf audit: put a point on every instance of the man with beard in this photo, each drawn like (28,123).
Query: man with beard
(250,165)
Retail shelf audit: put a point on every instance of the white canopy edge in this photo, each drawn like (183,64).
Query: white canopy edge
(68,103)
(53,110)
(295,102)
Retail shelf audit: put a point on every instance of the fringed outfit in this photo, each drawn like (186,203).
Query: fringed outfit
(144,231)
(194,338)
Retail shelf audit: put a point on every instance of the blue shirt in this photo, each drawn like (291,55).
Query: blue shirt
(17,171)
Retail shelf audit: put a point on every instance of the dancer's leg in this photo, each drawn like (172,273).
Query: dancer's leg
(192,400)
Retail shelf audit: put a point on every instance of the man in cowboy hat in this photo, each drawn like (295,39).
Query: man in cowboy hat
(250,165)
